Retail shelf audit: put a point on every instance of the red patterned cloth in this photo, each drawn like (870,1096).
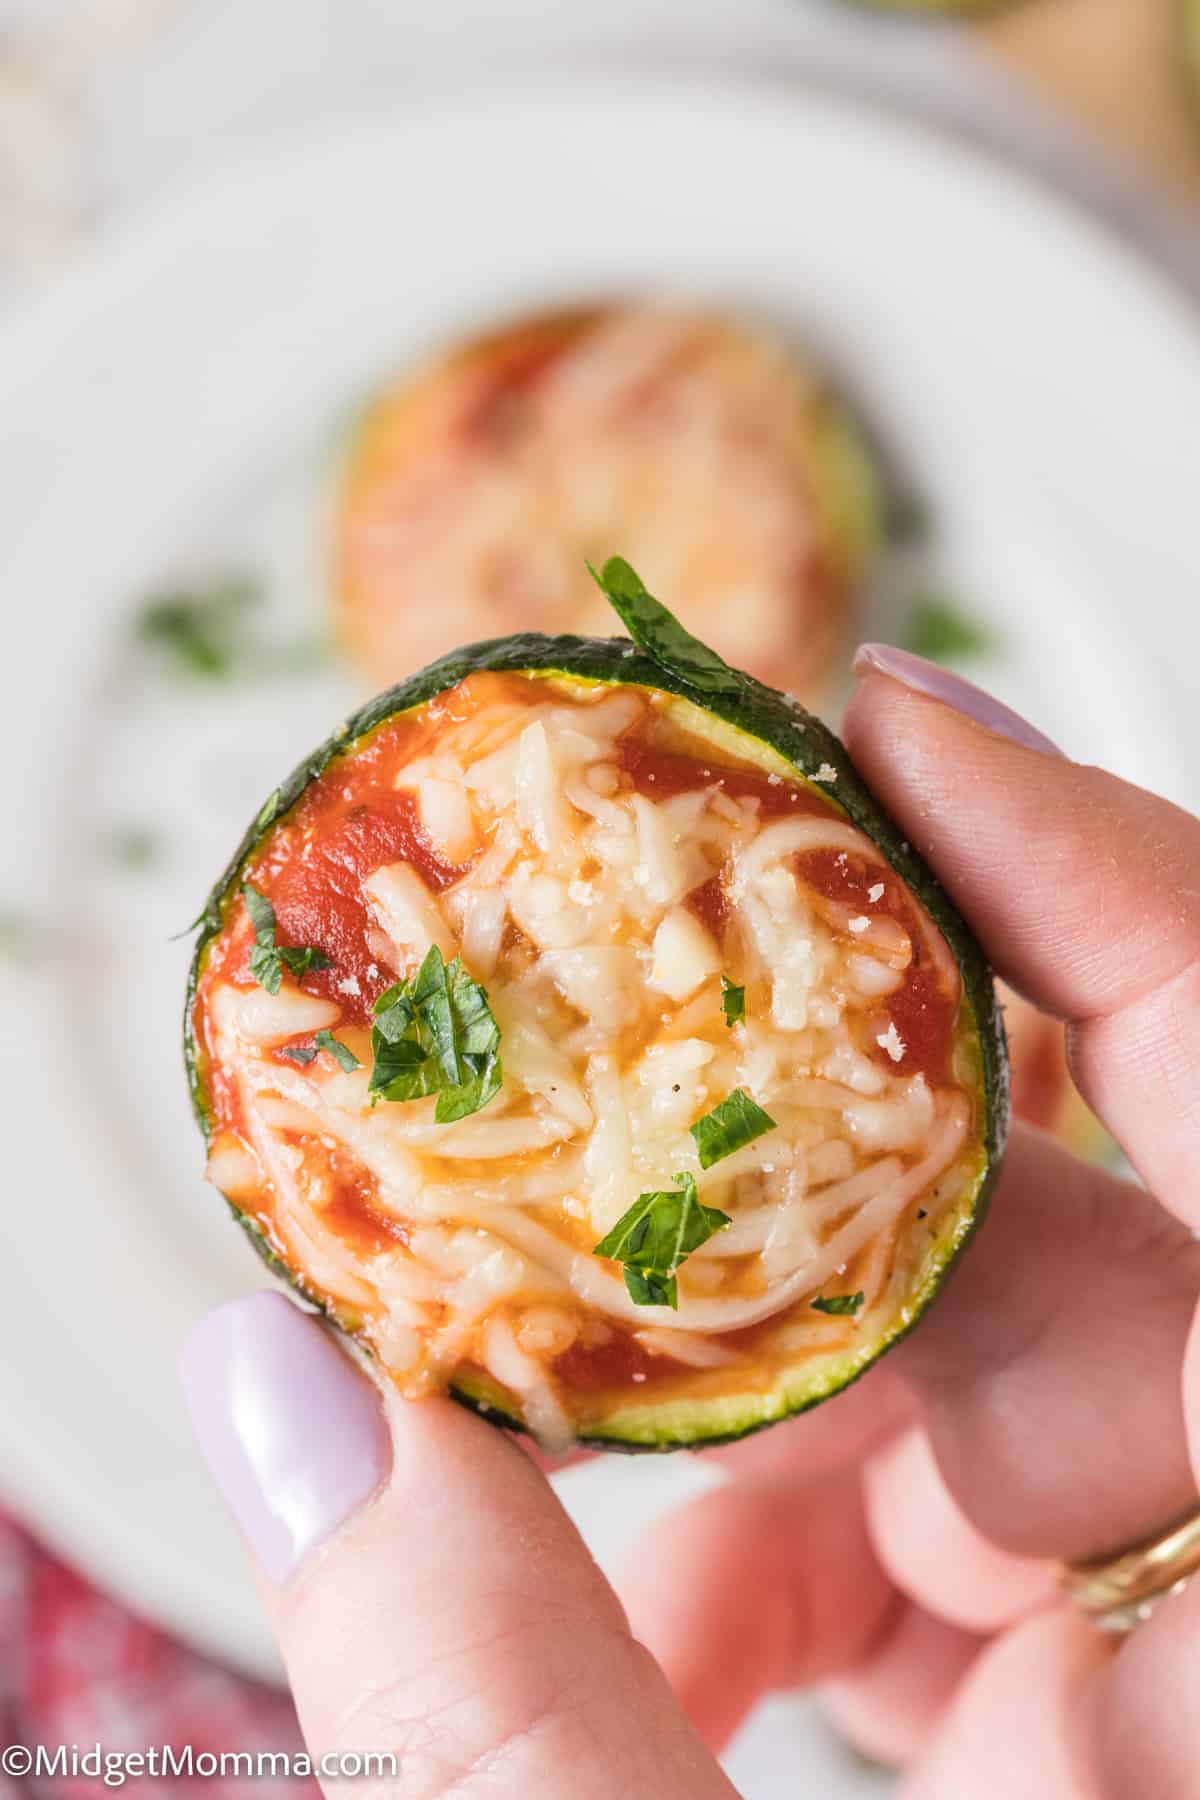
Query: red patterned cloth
(77,1669)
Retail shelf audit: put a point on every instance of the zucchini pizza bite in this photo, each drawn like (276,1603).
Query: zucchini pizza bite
(575,1030)
(727,467)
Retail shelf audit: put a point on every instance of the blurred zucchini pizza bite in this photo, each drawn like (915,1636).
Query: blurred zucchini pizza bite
(476,487)
(577,1032)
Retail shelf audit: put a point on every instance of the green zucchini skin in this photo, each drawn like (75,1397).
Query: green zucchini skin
(777,720)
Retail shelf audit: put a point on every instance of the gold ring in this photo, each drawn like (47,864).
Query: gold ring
(1120,1592)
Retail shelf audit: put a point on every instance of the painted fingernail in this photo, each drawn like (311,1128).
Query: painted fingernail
(293,1433)
(930,678)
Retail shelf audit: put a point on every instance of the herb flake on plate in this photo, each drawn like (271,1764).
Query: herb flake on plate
(940,630)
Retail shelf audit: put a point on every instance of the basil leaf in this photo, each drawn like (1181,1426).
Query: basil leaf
(299,961)
(268,960)
(262,915)
(733,1001)
(839,1303)
(266,967)
(132,846)
(941,631)
(730,1126)
(402,1071)
(651,1289)
(658,632)
(436,1035)
(201,631)
(299,1053)
(341,1053)
(658,1233)
(431,1003)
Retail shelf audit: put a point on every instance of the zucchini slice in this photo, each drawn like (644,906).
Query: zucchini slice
(492,471)
(577,1032)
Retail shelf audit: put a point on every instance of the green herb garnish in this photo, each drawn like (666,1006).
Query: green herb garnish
(341,1053)
(839,1303)
(436,1035)
(268,959)
(201,631)
(659,633)
(942,632)
(299,1053)
(656,1235)
(131,846)
(20,935)
(730,1126)
(733,1001)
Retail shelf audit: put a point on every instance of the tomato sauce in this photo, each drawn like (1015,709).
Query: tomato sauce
(925,1016)
(620,1362)
(710,904)
(661,773)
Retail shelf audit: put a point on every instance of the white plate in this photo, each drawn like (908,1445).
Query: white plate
(178,398)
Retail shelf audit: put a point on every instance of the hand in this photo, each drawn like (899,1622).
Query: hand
(432,1599)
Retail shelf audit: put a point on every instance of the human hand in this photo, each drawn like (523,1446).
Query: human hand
(432,1598)
(1054,1383)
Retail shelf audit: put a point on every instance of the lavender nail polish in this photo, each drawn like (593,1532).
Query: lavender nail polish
(293,1433)
(929,678)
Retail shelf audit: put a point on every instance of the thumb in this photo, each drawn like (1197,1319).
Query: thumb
(431,1597)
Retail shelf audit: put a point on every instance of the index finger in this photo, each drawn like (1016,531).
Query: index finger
(1084,890)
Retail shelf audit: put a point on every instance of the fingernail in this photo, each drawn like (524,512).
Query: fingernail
(293,1433)
(930,678)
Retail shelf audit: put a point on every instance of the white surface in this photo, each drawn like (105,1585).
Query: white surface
(178,396)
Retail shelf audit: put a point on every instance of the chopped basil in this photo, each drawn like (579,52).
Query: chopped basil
(132,846)
(657,1234)
(436,1035)
(210,630)
(341,1053)
(659,633)
(20,935)
(730,1126)
(839,1303)
(268,959)
(733,1000)
(299,1053)
(942,632)
(201,630)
